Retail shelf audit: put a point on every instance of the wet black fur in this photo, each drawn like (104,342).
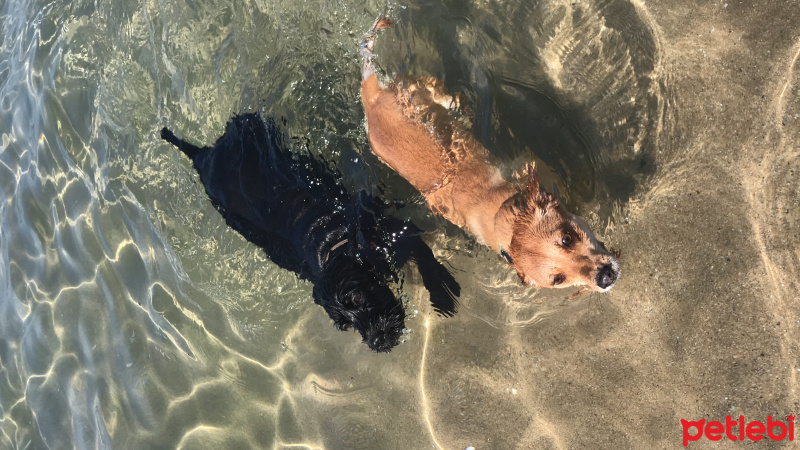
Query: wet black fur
(293,207)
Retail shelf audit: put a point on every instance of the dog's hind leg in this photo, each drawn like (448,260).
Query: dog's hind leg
(366,44)
(190,150)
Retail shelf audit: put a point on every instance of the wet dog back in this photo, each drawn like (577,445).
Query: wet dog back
(414,127)
(293,207)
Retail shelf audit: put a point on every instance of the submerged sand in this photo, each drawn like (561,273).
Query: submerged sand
(133,317)
(705,321)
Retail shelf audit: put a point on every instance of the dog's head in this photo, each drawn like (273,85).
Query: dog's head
(355,297)
(553,248)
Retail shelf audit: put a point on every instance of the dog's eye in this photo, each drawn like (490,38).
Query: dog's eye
(558,279)
(566,240)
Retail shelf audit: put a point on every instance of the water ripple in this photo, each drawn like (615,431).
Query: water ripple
(133,317)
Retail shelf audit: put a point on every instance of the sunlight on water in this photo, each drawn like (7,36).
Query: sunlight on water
(133,317)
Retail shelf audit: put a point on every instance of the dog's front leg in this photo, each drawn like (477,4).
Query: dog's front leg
(443,288)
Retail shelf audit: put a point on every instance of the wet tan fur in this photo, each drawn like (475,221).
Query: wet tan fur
(414,127)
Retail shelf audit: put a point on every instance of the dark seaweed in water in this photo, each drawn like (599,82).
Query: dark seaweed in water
(293,207)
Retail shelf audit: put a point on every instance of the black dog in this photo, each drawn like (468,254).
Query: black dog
(293,207)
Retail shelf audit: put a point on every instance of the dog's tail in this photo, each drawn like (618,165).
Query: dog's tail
(367,42)
(190,150)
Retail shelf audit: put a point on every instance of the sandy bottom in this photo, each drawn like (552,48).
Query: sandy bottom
(706,320)
(132,317)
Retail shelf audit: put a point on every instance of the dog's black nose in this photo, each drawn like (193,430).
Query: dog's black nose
(606,276)
(382,343)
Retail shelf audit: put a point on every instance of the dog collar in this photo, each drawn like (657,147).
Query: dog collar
(506,256)
(335,246)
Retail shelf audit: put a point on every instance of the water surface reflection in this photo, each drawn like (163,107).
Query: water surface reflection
(132,317)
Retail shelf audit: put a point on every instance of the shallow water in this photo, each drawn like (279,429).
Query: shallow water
(132,317)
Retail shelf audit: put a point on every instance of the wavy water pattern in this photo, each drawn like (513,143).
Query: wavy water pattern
(131,316)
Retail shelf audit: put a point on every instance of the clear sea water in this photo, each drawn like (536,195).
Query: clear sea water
(132,317)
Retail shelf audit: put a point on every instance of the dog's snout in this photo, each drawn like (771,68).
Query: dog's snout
(382,342)
(606,276)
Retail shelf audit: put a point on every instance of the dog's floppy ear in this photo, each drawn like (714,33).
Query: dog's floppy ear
(535,196)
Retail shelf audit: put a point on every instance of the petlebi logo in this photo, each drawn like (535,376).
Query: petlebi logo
(738,429)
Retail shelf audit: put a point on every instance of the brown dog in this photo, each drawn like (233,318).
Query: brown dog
(413,129)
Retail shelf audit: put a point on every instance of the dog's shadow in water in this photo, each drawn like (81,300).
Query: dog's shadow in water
(294,207)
